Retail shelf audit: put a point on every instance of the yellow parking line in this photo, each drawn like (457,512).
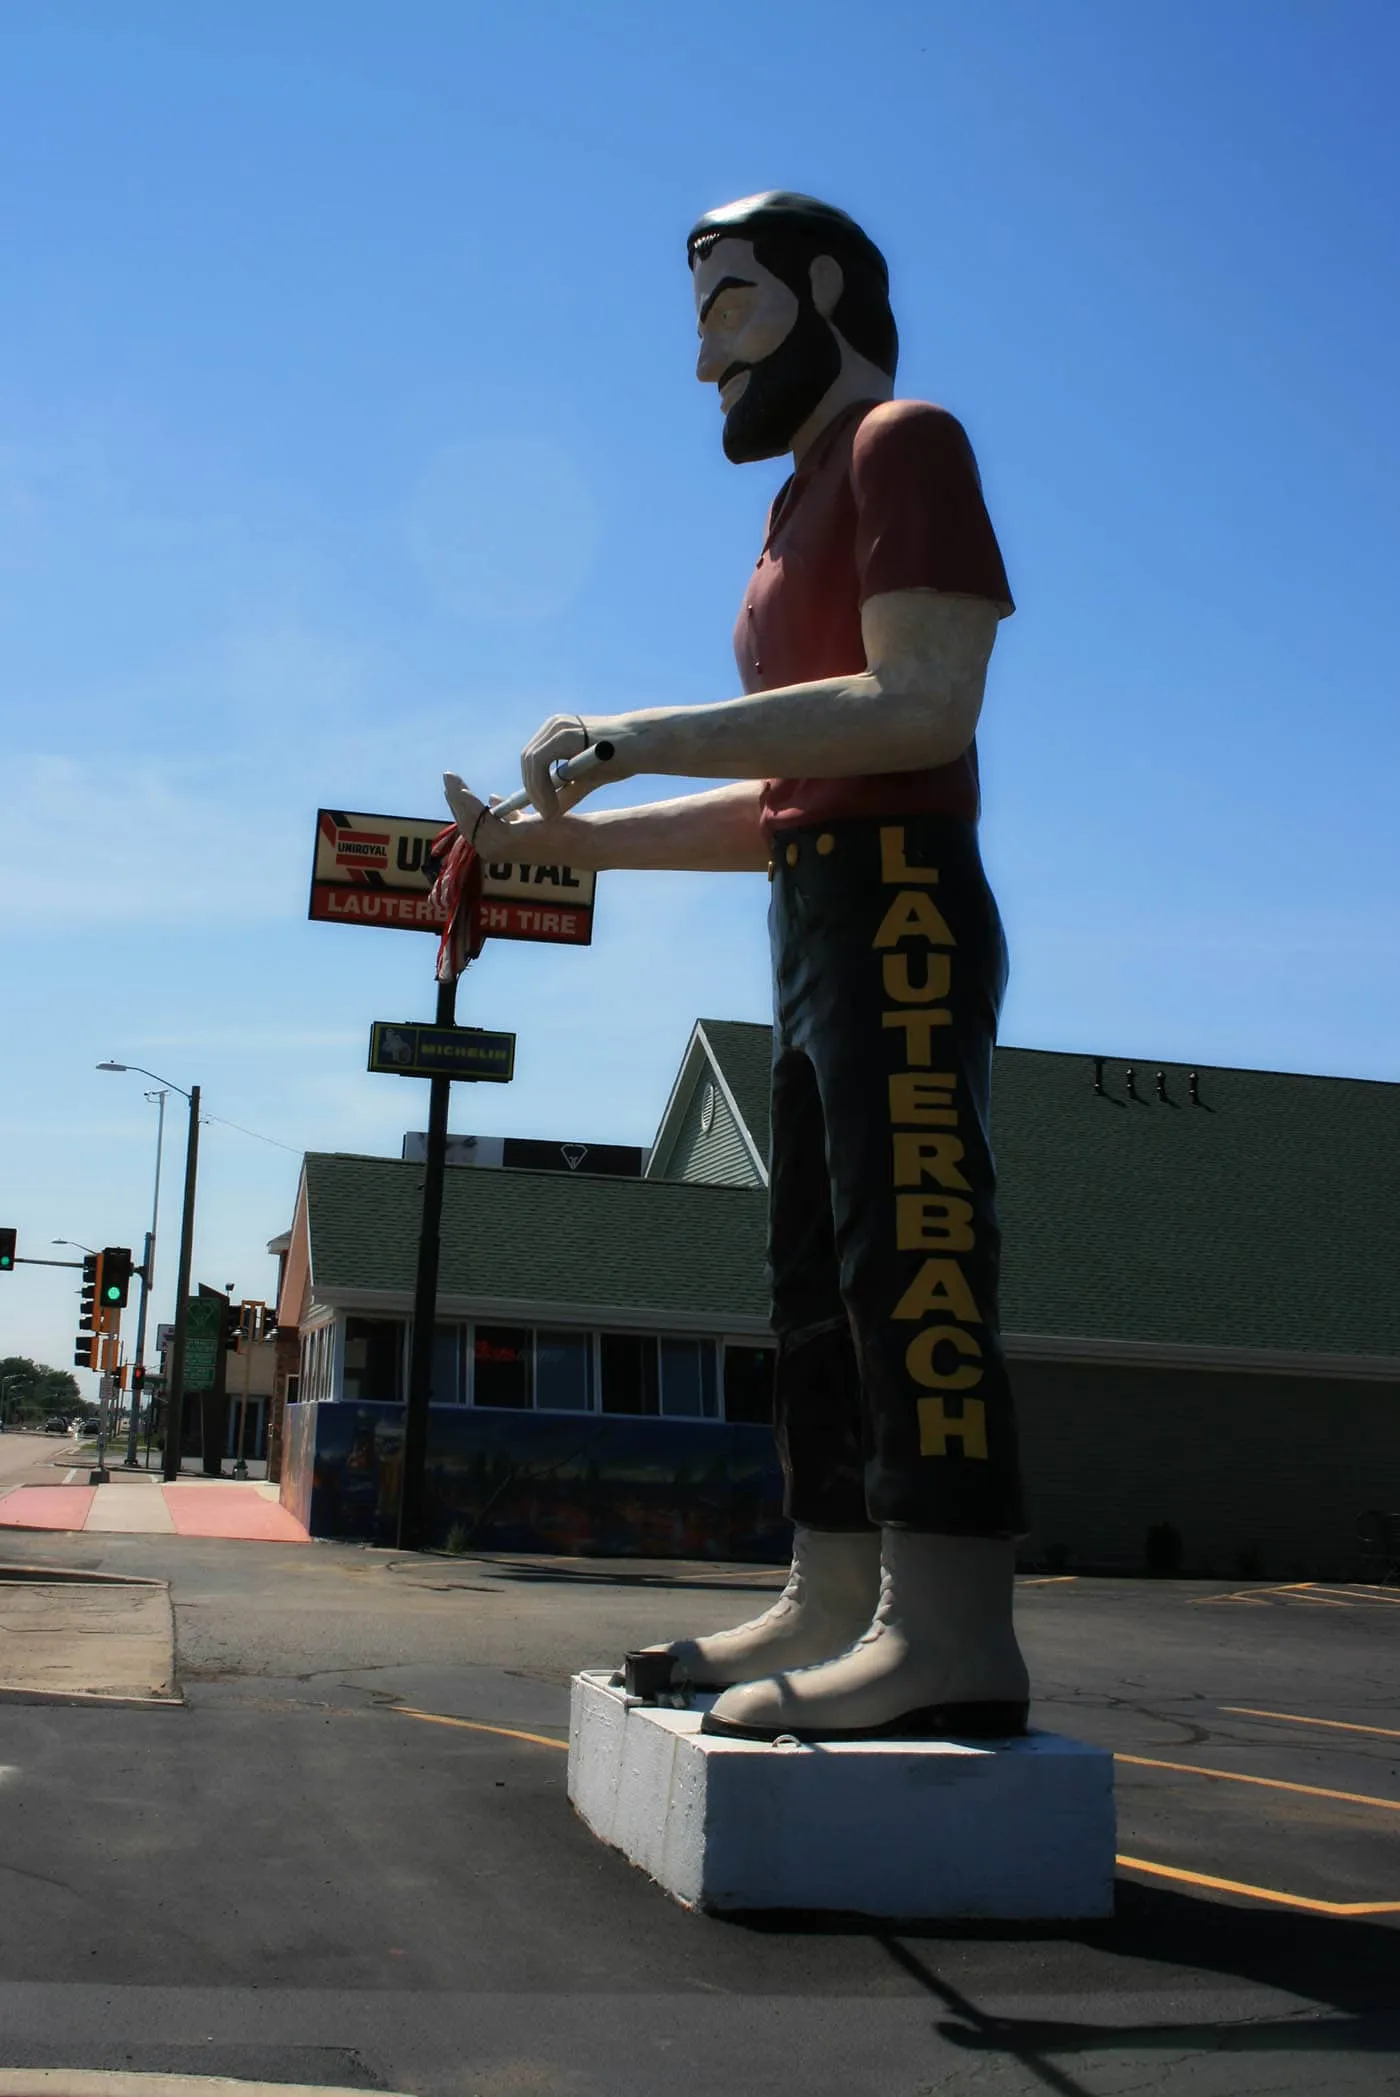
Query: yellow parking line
(1355,1595)
(1286,1900)
(1296,1718)
(475,1725)
(1047,1579)
(1235,1776)
(1308,1591)
(1293,1591)
(1261,1596)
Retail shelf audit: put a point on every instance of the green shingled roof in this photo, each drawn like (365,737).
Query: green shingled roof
(652,1245)
(744,1053)
(1268,1216)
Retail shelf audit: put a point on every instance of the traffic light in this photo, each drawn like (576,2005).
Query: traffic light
(82,1350)
(116,1277)
(87,1300)
(8,1241)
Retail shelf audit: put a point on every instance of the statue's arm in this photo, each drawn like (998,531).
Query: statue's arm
(915,705)
(713,832)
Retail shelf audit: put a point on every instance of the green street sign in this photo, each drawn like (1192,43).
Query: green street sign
(203,1332)
(405,1050)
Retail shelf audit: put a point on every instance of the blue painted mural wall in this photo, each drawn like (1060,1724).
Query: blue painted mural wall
(598,1485)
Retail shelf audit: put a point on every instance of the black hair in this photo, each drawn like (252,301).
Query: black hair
(787,232)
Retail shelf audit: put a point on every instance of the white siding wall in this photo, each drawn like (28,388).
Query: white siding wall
(717,1155)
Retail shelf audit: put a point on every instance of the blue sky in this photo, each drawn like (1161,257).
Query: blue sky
(348,428)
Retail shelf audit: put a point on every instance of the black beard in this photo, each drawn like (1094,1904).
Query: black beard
(783,390)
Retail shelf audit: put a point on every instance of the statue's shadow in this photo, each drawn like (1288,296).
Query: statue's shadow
(1351,1968)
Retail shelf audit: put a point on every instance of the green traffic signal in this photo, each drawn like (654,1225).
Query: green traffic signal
(116,1276)
(8,1241)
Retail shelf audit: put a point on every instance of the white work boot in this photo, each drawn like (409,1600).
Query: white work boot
(832,1588)
(940,1659)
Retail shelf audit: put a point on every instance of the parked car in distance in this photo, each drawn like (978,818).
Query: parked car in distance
(55,1424)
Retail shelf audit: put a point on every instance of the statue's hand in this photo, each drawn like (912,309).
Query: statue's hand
(505,838)
(567,735)
(563,735)
(474,819)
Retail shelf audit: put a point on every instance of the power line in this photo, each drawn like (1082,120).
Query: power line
(295,1148)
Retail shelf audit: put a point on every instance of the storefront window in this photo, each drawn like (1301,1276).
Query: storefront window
(629,1373)
(501,1366)
(564,1372)
(373,1360)
(446,1387)
(748,1383)
(688,1379)
(315,1354)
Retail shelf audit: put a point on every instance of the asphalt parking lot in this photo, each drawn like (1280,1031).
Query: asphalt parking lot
(297,1877)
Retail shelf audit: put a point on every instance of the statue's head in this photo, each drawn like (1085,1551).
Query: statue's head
(786,289)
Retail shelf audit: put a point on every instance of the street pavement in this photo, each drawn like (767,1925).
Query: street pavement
(26,1454)
(349,1858)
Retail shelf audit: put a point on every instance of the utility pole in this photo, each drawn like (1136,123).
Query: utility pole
(251,1318)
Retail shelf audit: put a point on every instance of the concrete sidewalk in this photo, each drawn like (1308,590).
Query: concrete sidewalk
(144,1506)
(82,1637)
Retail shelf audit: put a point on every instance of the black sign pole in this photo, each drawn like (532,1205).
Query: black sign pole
(420,1368)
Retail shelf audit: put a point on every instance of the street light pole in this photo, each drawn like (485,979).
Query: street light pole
(148,1275)
(175,1394)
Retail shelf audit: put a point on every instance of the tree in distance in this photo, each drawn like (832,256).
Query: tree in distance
(32,1392)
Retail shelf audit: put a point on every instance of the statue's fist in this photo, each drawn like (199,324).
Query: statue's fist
(563,735)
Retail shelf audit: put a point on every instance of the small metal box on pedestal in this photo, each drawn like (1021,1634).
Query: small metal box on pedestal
(1015,1830)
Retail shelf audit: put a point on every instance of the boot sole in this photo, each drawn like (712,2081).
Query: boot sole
(990,1721)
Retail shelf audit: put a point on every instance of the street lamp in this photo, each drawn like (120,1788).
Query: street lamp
(75,1242)
(175,1388)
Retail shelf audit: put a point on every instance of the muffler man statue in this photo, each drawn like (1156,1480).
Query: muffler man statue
(862,644)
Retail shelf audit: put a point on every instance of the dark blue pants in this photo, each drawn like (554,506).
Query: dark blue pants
(889,966)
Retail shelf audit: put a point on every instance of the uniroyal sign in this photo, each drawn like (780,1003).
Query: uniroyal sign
(377,870)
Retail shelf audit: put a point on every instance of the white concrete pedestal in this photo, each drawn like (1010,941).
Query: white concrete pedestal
(1015,1830)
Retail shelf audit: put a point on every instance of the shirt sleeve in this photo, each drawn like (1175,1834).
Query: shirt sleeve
(921,523)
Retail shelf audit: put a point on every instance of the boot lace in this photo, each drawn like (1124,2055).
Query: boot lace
(884,1610)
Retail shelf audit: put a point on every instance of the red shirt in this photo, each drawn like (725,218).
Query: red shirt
(888,498)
